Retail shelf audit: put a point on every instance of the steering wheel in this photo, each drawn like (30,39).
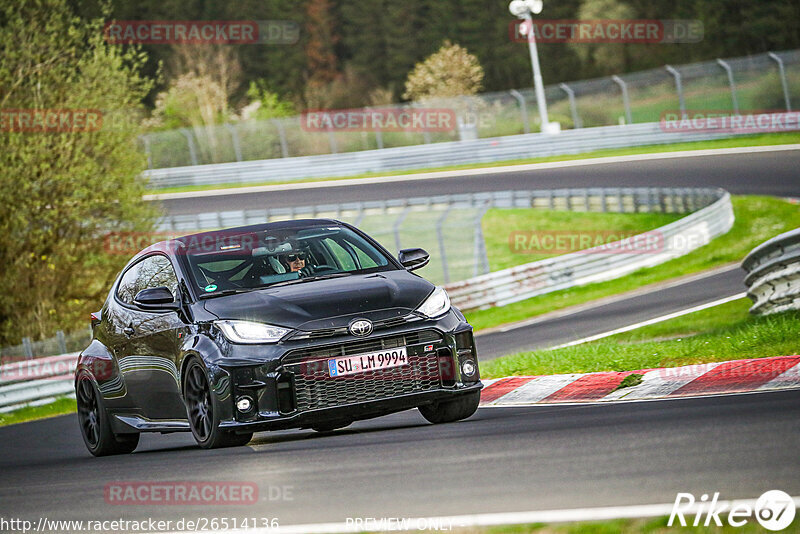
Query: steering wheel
(324,268)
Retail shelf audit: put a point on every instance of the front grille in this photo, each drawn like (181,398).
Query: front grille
(315,389)
(342,330)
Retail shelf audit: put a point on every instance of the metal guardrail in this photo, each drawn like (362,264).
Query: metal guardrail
(773,274)
(35,381)
(756,82)
(593,265)
(428,156)
(449,226)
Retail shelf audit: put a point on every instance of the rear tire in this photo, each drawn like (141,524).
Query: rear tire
(203,412)
(452,410)
(95,423)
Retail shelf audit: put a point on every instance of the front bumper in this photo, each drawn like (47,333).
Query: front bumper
(292,388)
(348,413)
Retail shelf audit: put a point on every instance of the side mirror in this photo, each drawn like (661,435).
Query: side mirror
(413,258)
(155,298)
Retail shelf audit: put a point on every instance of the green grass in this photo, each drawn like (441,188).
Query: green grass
(58,407)
(743,141)
(629,526)
(757,219)
(500,225)
(725,332)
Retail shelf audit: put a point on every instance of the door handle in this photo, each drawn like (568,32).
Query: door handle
(128,331)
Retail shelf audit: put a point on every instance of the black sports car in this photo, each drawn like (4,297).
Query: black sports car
(297,324)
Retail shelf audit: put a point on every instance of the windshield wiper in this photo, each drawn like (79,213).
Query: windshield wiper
(309,279)
(228,292)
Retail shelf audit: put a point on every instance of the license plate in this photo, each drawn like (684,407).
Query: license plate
(361,363)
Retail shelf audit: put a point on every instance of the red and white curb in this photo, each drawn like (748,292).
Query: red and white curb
(737,376)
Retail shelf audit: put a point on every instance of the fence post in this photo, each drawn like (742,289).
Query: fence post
(731,83)
(332,141)
(62,342)
(440,236)
(27,347)
(237,147)
(146,142)
(573,106)
(481,255)
(282,135)
(625,100)
(785,85)
(523,109)
(360,215)
(190,142)
(397,224)
(678,87)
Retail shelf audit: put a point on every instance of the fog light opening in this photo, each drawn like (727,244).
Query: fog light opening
(244,404)
(468,368)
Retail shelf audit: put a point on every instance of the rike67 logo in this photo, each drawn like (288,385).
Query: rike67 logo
(774,510)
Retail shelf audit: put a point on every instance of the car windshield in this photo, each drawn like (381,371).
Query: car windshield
(225,262)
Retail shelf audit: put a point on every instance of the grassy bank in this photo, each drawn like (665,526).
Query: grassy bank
(29,413)
(757,219)
(630,526)
(725,332)
(743,141)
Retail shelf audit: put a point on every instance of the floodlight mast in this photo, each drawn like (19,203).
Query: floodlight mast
(523,10)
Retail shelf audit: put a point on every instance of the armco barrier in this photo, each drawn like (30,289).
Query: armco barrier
(487,150)
(449,226)
(583,267)
(28,381)
(773,274)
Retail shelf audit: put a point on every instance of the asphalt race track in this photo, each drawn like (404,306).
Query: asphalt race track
(766,173)
(500,460)
(607,317)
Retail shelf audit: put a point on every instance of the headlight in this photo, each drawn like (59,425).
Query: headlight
(435,305)
(248,332)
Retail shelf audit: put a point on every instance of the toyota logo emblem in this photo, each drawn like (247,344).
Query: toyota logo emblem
(361,327)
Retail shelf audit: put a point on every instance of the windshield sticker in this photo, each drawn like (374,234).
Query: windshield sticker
(210,287)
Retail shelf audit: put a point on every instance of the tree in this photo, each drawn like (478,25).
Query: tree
(451,71)
(320,46)
(606,58)
(63,187)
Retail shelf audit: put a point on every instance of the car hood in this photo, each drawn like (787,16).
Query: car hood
(328,303)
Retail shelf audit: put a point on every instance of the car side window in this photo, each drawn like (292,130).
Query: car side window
(153,271)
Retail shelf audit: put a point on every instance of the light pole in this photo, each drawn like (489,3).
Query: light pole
(523,9)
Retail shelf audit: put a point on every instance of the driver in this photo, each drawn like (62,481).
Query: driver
(295,261)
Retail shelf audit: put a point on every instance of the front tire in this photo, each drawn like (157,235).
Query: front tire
(453,410)
(95,423)
(203,413)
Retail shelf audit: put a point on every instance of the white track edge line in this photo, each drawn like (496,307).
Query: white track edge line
(506,518)
(464,173)
(614,299)
(649,322)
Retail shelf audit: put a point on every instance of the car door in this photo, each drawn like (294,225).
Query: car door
(148,358)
